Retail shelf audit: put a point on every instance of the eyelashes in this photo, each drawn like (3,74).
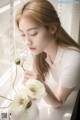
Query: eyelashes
(22,35)
(34,34)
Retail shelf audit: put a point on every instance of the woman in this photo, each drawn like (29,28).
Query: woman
(54,50)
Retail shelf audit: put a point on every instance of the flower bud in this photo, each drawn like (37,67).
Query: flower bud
(17,61)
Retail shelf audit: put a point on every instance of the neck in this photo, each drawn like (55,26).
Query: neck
(51,50)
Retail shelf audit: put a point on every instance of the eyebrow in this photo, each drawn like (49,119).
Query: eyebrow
(29,29)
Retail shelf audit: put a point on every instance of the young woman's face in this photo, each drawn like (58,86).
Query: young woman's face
(36,36)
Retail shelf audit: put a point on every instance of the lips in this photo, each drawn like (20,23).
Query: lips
(32,49)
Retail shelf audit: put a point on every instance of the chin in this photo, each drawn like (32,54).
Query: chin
(37,52)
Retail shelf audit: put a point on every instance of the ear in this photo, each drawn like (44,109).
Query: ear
(52,29)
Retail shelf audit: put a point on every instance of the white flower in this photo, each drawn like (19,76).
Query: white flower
(35,89)
(20,101)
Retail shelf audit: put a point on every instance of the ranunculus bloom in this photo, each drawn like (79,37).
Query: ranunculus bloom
(35,89)
(20,101)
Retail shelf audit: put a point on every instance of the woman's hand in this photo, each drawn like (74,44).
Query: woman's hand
(29,75)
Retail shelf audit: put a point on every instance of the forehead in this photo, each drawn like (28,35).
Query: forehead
(28,22)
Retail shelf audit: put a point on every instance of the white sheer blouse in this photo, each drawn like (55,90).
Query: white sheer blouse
(66,68)
(65,71)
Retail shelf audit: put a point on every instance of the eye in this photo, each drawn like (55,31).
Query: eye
(22,35)
(34,34)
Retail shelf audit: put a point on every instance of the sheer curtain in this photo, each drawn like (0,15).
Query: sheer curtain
(7,49)
(11,47)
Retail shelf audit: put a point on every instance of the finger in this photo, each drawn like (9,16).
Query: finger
(28,76)
(25,75)
(28,72)
(31,74)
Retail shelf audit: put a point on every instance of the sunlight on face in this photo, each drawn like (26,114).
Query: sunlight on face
(35,35)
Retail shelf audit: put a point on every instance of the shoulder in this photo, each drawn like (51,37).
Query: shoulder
(71,56)
(70,69)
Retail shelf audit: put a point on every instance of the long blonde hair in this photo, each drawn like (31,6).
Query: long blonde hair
(44,13)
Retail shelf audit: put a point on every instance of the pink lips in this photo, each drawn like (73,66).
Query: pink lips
(32,49)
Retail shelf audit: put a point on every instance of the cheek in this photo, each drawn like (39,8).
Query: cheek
(44,44)
(42,40)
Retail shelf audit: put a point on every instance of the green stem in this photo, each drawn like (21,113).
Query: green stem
(22,67)
(15,80)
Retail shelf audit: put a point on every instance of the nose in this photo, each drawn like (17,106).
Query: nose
(28,41)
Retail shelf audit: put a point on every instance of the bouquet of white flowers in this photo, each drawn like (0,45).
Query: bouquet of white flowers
(22,105)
